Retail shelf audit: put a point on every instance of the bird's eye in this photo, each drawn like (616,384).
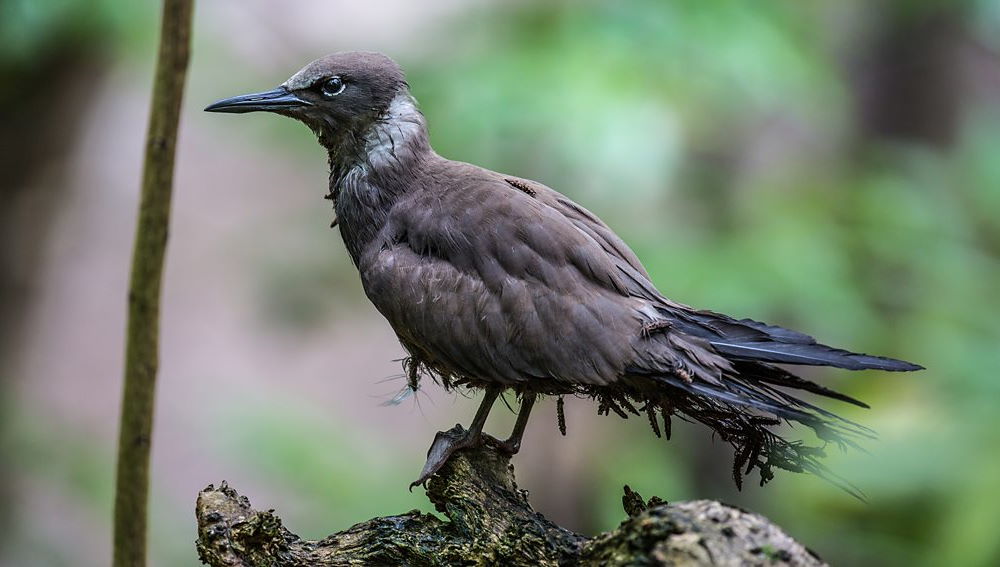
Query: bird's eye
(332,87)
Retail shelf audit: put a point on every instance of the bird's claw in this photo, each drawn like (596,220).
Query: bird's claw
(509,447)
(444,445)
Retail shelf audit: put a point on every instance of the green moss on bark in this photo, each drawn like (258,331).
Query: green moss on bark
(490,522)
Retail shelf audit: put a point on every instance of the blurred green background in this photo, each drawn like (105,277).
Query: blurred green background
(834,167)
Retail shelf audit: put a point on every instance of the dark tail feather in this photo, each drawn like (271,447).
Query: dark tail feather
(809,354)
(743,408)
(742,413)
(766,377)
(746,339)
(780,377)
(747,397)
(760,402)
(740,395)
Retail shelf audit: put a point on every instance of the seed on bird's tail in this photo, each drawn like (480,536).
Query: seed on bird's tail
(738,469)
(651,414)
(602,406)
(666,421)
(561,415)
(754,453)
(412,373)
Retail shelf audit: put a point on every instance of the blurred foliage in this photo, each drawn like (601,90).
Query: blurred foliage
(51,454)
(30,28)
(313,455)
(723,141)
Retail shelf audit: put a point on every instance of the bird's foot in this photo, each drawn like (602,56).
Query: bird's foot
(445,443)
(509,447)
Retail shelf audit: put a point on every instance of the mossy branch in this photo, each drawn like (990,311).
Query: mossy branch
(490,522)
(141,350)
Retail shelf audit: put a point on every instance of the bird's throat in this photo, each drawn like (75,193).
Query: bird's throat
(369,172)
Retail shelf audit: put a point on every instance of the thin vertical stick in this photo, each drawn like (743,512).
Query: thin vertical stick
(141,350)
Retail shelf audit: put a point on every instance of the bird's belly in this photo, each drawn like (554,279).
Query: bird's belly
(512,334)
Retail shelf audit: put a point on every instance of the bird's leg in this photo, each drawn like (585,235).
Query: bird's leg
(447,442)
(513,443)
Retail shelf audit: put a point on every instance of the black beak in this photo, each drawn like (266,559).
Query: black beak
(273,100)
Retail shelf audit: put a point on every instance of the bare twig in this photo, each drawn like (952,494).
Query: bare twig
(141,351)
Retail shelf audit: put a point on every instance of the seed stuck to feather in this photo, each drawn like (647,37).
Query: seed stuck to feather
(561,415)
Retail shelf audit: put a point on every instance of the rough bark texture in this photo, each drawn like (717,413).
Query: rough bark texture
(490,522)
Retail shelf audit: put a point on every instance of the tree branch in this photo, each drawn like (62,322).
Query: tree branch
(490,522)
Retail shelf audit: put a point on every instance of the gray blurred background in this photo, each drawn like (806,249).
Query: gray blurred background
(832,166)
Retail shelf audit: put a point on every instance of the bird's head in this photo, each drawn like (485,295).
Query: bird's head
(339,96)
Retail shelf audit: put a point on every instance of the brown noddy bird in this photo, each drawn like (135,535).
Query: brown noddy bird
(500,283)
